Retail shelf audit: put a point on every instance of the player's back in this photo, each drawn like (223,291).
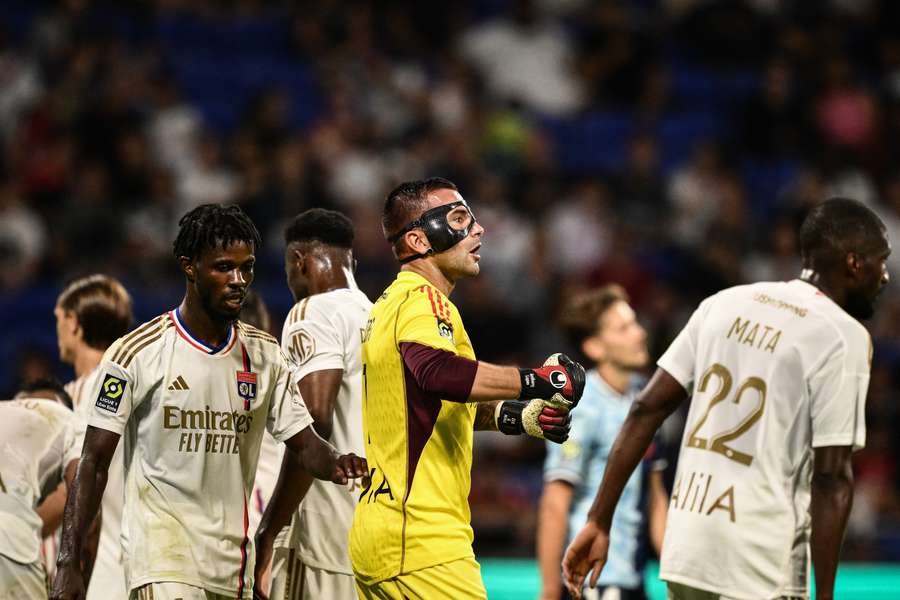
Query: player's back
(324,331)
(34,437)
(777,368)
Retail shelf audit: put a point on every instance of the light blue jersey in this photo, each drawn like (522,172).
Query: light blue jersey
(581,462)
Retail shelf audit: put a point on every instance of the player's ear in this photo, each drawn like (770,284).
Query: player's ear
(593,349)
(417,241)
(854,264)
(188,268)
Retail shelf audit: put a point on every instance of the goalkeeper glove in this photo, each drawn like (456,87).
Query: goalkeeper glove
(560,382)
(537,418)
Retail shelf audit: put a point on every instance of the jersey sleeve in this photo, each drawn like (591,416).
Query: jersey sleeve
(837,393)
(426,317)
(112,397)
(287,413)
(680,358)
(570,460)
(313,344)
(79,427)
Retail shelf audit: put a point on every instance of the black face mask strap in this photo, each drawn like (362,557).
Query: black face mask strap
(413,257)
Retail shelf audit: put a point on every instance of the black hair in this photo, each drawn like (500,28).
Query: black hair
(405,202)
(835,227)
(47,383)
(214,226)
(330,227)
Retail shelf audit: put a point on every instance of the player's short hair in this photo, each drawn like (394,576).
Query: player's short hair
(329,227)
(102,306)
(406,202)
(581,316)
(214,226)
(835,227)
(255,312)
(47,383)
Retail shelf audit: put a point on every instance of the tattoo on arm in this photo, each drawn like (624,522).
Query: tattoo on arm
(484,416)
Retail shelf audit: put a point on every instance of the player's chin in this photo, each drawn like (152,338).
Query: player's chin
(230,309)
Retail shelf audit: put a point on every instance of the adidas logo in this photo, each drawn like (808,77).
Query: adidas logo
(179,384)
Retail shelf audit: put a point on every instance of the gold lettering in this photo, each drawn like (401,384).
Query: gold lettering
(193,419)
(185,438)
(751,336)
(688,492)
(235,449)
(226,424)
(169,413)
(697,490)
(720,505)
(675,491)
(706,491)
(738,328)
(770,347)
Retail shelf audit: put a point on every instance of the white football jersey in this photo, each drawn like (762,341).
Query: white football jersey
(108,576)
(322,332)
(192,417)
(35,437)
(776,369)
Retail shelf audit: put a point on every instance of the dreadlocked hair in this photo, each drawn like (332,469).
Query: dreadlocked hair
(214,226)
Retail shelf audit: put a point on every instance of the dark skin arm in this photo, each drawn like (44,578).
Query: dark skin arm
(82,506)
(832,498)
(587,552)
(319,391)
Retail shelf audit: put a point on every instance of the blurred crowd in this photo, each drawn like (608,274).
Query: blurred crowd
(672,146)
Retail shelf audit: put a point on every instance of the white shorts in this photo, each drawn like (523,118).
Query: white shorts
(22,580)
(171,590)
(678,591)
(292,579)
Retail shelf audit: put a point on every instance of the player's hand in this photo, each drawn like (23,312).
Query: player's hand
(349,466)
(68,584)
(586,554)
(537,418)
(560,381)
(262,571)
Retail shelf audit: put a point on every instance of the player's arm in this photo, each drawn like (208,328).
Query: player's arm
(662,396)
(459,379)
(657,509)
(50,510)
(553,517)
(82,506)
(832,498)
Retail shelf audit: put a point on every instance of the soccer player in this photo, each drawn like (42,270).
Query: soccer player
(424,394)
(779,372)
(91,313)
(604,326)
(321,338)
(35,435)
(191,392)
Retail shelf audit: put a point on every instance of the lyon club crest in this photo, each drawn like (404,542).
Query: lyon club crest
(246,386)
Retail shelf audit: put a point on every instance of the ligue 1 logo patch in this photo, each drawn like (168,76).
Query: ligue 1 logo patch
(246,385)
(111,391)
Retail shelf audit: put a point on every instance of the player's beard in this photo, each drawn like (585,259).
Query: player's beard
(216,307)
(860,305)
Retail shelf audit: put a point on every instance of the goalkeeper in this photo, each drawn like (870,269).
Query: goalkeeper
(424,394)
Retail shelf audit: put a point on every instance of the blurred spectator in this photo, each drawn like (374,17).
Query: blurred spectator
(23,239)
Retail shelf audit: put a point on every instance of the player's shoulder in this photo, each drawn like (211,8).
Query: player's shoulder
(328,305)
(140,340)
(257,337)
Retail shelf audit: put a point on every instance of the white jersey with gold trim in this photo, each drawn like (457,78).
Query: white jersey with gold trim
(321,332)
(108,576)
(35,437)
(777,369)
(192,417)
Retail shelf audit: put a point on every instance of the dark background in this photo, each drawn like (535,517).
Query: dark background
(669,145)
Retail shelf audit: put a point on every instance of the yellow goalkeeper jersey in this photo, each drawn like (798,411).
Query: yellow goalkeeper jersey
(415,513)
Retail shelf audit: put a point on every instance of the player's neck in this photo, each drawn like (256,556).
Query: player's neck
(432,274)
(333,279)
(616,378)
(202,324)
(86,360)
(817,279)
